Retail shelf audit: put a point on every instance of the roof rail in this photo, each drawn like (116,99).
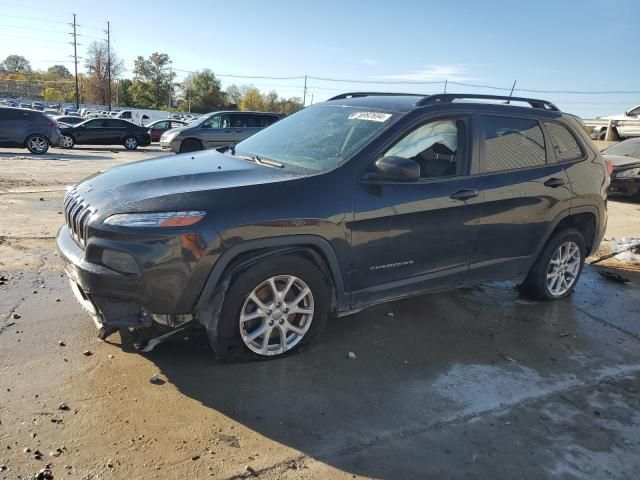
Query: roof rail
(450,97)
(373,94)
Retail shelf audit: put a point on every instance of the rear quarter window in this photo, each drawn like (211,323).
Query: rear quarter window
(564,144)
(511,143)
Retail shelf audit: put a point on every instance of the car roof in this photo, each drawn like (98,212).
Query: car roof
(403,103)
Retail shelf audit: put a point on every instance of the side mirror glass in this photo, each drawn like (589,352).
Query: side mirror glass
(394,169)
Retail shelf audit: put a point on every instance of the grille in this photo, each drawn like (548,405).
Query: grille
(76,214)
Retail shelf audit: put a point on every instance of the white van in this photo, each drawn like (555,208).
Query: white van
(142,117)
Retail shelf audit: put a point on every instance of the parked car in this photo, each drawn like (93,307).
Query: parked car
(143,117)
(625,158)
(362,199)
(37,106)
(105,131)
(25,105)
(215,130)
(621,130)
(157,128)
(28,129)
(50,111)
(68,119)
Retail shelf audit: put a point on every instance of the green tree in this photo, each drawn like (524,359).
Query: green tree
(123,93)
(16,64)
(153,81)
(58,71)
(202,92)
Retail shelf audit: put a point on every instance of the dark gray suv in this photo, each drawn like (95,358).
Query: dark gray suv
(359,200)
(215,130)
(27,128)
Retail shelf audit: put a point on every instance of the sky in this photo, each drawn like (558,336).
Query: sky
(559,45)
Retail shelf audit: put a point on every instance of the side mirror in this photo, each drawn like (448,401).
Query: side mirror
(394,169)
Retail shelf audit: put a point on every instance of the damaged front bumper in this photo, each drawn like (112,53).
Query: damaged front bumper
(111,298)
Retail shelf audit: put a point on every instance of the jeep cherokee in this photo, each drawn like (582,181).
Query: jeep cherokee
(362,199)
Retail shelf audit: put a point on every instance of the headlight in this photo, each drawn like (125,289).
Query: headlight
(169,136)
(155,219)
(632,172)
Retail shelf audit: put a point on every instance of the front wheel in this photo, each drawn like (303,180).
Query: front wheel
(37,144)
(558,268)
(190,145)
(131,143)
(67,142)
(272,309)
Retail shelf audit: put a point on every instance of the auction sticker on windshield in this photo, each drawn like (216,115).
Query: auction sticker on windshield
(371,116)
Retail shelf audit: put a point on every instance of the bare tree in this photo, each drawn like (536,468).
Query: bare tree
(96,83)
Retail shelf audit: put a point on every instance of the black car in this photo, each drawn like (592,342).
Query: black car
(29,129)
(625,162)
(362,199)
(105,131)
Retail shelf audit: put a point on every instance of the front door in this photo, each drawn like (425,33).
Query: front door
(413,237)
(92,132)
(216,131)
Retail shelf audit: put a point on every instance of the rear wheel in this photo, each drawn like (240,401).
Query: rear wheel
(37,144)
(67,142)
(190,145)
(558,268)
(272,309)
(131,143)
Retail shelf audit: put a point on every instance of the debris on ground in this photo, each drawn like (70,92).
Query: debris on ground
(149,345)
(351,356)
(155,379)
(250,470)
(389,314)
(195,457)
(615,277)
(87,353)
(626,249)
(62,344)
(44,474)
(16,316)
(63,406)
(565,334)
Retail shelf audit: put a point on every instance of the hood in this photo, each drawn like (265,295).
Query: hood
(152,184)
(620,161)
(177,129)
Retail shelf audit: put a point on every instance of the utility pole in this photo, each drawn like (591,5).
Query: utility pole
(445,85)
(75,60)
(109,64)
(170,87)
(304,95)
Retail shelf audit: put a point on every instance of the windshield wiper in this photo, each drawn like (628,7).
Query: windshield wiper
(267,161)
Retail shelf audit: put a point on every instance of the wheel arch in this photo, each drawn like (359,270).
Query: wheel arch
(195,139)
(24,144)
(246,254)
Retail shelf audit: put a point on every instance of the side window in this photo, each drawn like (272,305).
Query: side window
(266,120)
(212,122)
(95,124)
(126,114)
(564,143)
(436,146)
(114,124)
(161,125)
(511,143)
(239,120)
(635,111)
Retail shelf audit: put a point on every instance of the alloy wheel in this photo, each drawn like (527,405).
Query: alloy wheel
(37,144)
(131,143)
(67,142)
(563,268)
(276,315)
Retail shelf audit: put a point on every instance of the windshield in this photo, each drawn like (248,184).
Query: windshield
(629,148)
(318,138)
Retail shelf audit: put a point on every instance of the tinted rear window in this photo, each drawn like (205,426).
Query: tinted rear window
(512,143)
(564,143)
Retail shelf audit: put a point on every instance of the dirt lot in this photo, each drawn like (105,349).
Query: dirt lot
(475,383)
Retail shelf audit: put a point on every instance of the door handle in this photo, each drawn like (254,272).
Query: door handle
(554,182)
(464,194)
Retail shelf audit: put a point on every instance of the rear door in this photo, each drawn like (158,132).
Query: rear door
(525,190)
(92,132)
(116,130)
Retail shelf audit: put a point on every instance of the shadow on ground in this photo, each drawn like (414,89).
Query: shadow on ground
(421,364)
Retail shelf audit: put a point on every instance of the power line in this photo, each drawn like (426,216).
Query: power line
(36,38)
(33,19)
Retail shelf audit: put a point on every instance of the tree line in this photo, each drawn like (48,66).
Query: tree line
(152,85)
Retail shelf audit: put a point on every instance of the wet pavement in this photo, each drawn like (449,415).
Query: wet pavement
(474,383)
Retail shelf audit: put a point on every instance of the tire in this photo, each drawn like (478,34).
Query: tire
(539,283)
(130,142)
(67,142)
(37,144)
(190,145)
(226,337)
(614,135)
